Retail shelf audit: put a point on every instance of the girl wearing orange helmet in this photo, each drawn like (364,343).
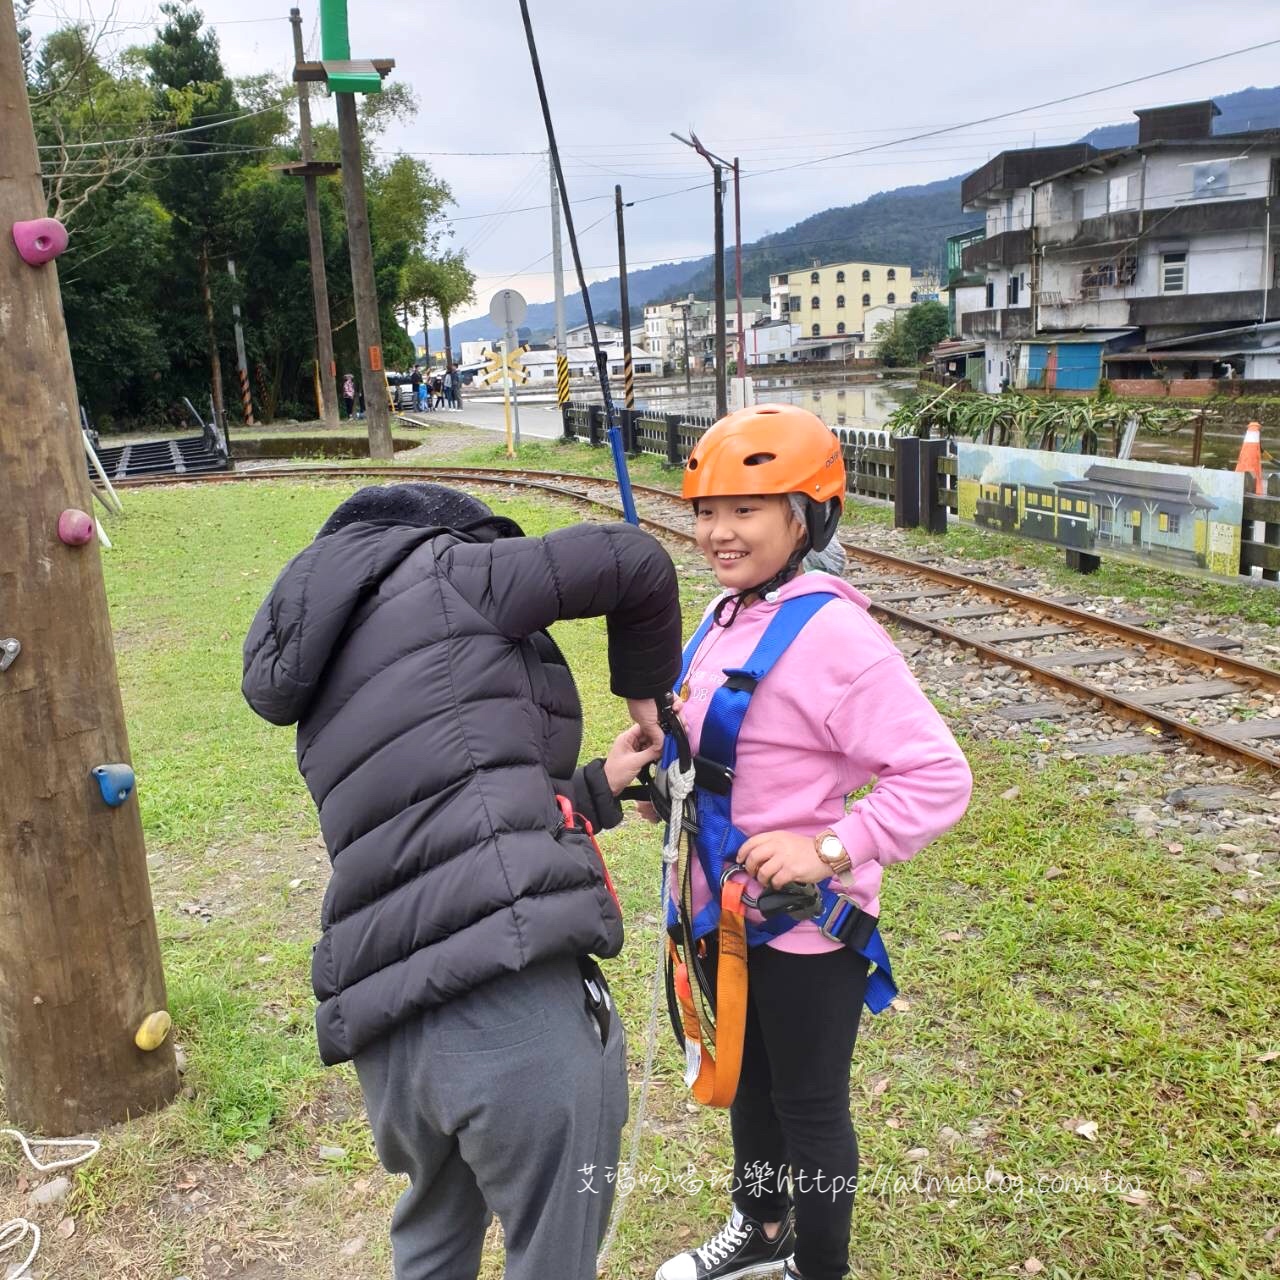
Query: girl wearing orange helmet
(832,708)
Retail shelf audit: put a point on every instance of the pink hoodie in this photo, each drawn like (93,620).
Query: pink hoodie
(838,710)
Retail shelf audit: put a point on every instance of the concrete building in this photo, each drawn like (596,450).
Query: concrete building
(1131,254)
(664,326)
(580,335)
(771,341)
(829,301)
(965,291)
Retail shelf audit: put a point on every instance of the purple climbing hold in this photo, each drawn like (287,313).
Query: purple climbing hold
(40,240)
(75,528)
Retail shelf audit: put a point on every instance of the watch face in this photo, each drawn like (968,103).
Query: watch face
(830,847)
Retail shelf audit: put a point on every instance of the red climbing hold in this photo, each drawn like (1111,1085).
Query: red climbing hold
(39,240)
(75,528)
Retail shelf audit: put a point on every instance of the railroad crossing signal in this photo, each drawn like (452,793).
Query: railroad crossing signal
(512,363)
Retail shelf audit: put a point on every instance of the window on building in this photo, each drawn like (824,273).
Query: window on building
(1077,204)
(1173,272)
(813,277)
(866,275)
(839,277)
(814,304)
(866,299)
(991,294)
(890,298)
(1212,178)
(816,331)
(840,327)
(1011,291)
(782,279)
(795,304)
(1121,192)
(915,297)
(839,299)
(891,274)
(1168,522)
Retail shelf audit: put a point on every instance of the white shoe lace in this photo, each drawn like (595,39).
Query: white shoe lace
(722,1245)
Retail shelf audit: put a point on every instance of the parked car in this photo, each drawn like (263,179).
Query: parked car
(401,390)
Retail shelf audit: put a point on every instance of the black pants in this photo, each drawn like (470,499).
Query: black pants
(792,1106)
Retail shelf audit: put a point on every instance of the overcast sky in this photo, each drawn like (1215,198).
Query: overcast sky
(774,84)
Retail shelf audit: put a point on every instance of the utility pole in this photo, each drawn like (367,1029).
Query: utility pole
(211,337)
(557,268)
(363,286)
(722,358)
(628,374)
(242,364)
(80,964)
(325,366)
(347,77)
(684,310)
(717,183)
(737,272)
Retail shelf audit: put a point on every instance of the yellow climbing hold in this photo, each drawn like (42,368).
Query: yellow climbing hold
(154,1030)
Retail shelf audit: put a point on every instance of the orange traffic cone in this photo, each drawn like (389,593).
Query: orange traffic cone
(1250,459)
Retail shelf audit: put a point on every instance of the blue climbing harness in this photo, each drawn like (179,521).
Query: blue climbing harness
(713,834)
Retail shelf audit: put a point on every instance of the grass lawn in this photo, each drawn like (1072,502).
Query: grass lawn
(1078,1072)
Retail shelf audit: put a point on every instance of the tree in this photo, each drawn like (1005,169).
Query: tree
(217,136)
(93,119)
(906,338)
(926,325)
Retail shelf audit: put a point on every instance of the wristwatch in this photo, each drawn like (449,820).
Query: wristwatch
(832,852)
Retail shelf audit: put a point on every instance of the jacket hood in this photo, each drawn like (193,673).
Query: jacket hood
(306,613)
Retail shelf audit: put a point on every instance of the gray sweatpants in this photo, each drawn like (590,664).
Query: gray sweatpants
(503,1101)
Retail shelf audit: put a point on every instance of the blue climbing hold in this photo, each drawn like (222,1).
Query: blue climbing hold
(115,781)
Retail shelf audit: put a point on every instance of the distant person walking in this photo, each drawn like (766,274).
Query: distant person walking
(415,381)
(437,392)
(349,393)
(450,381)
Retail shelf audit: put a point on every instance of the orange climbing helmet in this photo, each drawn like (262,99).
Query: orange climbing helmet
(772,448)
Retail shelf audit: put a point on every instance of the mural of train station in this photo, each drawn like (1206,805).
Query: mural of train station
(1180,517)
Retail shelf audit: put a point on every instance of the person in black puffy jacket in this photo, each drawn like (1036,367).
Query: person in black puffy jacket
(438,733)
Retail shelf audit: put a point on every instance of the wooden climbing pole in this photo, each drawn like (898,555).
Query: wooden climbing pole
(79,958)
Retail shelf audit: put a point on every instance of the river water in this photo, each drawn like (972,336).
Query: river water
(847,404)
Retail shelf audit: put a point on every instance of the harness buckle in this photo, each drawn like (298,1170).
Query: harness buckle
(847,924)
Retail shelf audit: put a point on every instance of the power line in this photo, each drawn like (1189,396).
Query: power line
(1005,115)
(174,133)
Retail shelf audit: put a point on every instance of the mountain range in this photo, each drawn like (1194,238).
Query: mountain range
(907,224)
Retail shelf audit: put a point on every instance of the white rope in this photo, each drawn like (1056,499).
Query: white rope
(16,1230)
(680,787)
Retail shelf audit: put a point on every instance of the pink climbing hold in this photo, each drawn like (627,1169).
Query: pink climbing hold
(40,240)
(75,528)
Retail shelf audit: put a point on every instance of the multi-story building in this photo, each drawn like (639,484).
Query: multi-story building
(831,300)
(965,290)
(665,330)
(1108,263)
(580,335)
(826,301)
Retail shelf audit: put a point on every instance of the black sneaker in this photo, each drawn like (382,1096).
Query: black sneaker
(739,1248)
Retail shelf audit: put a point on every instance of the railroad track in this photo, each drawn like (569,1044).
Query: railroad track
(1078,654)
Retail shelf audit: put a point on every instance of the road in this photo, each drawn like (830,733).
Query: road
(536,420)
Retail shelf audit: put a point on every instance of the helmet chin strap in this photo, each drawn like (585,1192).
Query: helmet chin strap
(764,590)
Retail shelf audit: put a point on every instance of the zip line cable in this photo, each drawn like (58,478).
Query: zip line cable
(602,366)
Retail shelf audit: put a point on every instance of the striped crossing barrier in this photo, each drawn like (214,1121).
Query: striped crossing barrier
(628,381)
(562,379)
